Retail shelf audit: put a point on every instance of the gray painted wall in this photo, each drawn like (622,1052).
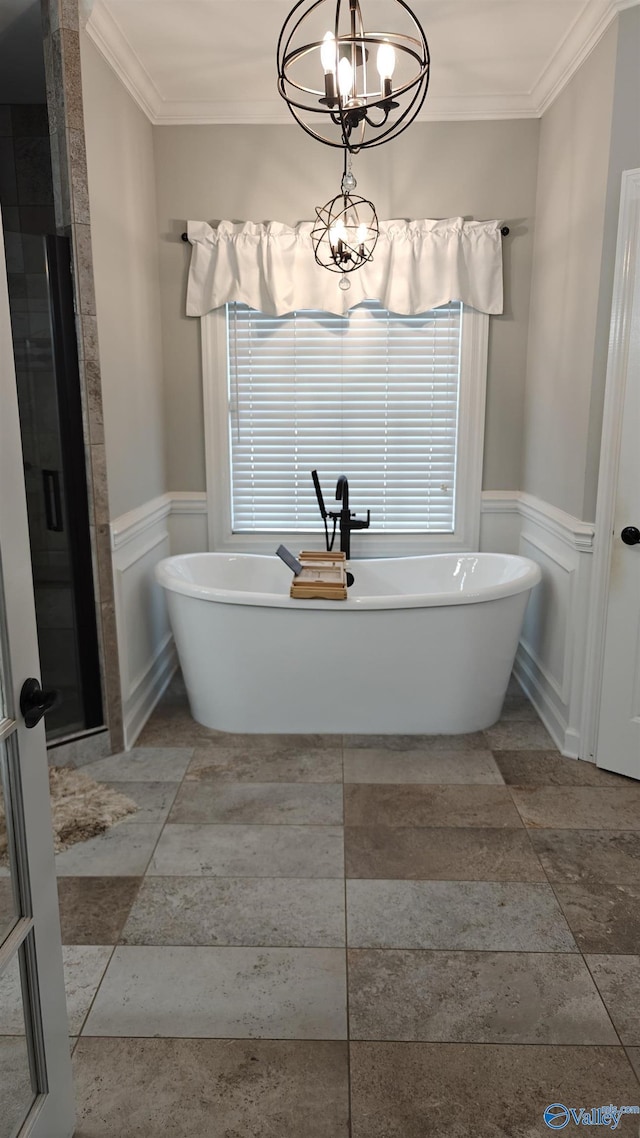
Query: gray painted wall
(474,169)
(564,371)
(122,179)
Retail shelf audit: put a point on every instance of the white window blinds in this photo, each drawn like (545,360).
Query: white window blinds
(373,396)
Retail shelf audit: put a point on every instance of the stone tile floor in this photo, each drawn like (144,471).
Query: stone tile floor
(480,961)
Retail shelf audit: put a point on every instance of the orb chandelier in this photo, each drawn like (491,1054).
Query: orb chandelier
(346,231)
(347,86)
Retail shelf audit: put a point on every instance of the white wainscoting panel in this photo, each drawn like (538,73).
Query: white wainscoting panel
(499,521)
(188,522)
(171,523)
(551,658)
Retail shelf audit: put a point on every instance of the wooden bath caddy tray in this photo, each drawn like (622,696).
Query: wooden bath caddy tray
(324,575)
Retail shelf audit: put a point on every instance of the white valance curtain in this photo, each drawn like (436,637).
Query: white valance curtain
(416,266)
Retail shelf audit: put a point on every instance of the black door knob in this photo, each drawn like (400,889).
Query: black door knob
(36,701)
(630,535)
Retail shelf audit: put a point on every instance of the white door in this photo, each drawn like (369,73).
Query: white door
(618,745)
(36,1099)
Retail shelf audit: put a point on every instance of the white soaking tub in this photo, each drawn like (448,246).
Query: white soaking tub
(422,645)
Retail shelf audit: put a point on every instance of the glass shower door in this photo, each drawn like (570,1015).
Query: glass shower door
(45,352)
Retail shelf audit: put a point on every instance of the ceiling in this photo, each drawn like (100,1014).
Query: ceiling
(213,61)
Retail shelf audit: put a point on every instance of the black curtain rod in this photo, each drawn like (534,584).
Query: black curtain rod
(504,231)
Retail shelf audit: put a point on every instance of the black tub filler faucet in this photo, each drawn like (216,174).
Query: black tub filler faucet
(347,521)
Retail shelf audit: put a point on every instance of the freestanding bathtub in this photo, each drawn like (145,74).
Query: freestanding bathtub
(422,645)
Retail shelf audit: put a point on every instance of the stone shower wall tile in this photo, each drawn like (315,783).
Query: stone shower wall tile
(83,257)
(62,196)
(103,547)
(8,183)
(32,161)
(66,124)
(64,14)
(93,395)
(88,339)
(67,43)
(79,184)
(50,68)
(112,671)
(100,488)
(29,120)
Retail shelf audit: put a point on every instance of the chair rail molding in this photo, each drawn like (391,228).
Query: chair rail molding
(577,534)
(170,523)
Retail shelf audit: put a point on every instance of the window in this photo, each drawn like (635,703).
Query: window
(394,402)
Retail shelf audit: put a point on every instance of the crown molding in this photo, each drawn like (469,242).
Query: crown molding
(274,112)
(583,35)
(85,8)
(586,31)
(456,108)
(111,42)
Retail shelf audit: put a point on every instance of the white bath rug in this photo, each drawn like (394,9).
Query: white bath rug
(81,809)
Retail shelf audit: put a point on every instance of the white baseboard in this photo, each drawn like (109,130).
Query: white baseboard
(554,718)
(171,523)
(148,691)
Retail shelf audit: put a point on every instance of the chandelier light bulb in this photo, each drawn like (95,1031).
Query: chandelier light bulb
(386,61)
(345,77)
(328,53)
(362,234)
(337,233)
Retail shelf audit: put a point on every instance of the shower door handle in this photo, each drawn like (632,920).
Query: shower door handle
(36,701)
(52,500)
